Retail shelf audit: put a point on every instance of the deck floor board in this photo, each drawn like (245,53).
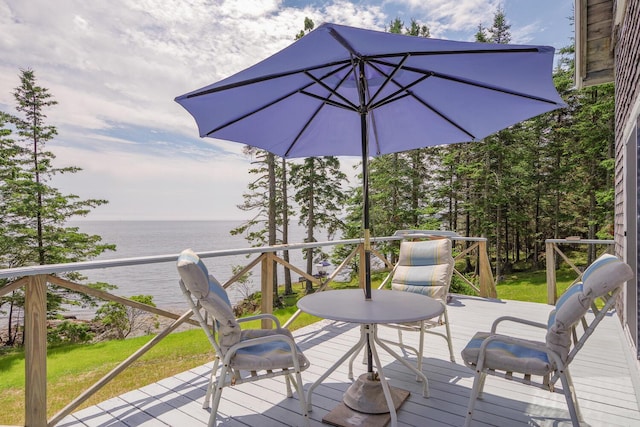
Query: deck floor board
(602,375)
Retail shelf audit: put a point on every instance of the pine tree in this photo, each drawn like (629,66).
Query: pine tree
(40,208)
(317,183)
(34,215)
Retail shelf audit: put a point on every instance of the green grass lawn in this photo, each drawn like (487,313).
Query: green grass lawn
(532,286)
(72,369)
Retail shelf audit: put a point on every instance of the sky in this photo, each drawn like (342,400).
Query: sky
(115,67)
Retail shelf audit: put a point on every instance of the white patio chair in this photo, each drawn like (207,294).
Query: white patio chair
(423,267)
(242,355)
(492,353)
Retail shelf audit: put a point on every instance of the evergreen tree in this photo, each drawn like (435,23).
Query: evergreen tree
(34,216)
(267,200)
(10,172)
(317,183)
(500,29)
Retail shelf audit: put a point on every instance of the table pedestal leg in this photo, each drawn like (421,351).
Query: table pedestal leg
(353,349)
(371,393)
(419,373)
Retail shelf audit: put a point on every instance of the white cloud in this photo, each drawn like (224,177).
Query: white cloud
(443,16)
(155,187)
(115,68)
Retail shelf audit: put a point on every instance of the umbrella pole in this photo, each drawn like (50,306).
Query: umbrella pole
(367,245)
(365,220)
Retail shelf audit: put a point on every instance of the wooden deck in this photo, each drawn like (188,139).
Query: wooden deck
(604,373)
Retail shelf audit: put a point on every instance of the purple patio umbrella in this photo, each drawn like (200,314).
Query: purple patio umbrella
(348,91)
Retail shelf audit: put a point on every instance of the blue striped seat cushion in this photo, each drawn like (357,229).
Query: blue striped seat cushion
(507,357)
(270,355)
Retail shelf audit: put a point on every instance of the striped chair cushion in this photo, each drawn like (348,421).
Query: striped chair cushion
(271,355)
(424,267)
(211,295)
(507,357)
(427,252)
(201,281)
(604,275)
(573,289)
(430,280)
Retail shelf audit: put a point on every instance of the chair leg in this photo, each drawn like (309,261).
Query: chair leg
(217,394)
(449,341)
(483,379)
(478,383)
(212,383)
(297,383)
(287,381)
(420,350)
(570,397)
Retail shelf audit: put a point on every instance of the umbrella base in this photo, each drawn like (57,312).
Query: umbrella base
(364,404)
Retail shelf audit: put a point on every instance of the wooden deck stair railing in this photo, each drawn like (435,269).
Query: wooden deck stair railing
(35,280)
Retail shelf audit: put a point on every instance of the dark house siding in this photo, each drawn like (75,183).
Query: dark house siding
(627,82)
(627,60)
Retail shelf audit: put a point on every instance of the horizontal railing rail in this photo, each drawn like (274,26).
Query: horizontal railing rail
(35,280)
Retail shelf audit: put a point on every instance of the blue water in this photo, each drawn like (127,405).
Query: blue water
(145,238)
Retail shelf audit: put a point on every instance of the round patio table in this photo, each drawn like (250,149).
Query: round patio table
(385,306)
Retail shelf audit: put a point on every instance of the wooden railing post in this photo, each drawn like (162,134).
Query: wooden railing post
(551,273)
(362,266)
(487,285)
(35,348)
(266,286)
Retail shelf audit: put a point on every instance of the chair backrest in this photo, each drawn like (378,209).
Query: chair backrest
(211,296)
(424,267)
(602,279)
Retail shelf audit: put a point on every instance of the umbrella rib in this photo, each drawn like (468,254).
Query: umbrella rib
(299,90)
(250,113)
(344,42)
(324,101)
(454,52)
(261,79)
(306,125)
(389,99)
(389,77)
(493,88)
(444,117)
(394,96)
(350,106)
(467,82)
(332,92)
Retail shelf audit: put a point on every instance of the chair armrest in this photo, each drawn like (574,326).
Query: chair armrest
(260,316)
(494,326)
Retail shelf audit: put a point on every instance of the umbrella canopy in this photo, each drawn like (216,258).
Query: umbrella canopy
(309,98)
(347,91)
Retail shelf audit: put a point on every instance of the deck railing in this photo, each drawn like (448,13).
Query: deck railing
(35,280)
(552,248)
